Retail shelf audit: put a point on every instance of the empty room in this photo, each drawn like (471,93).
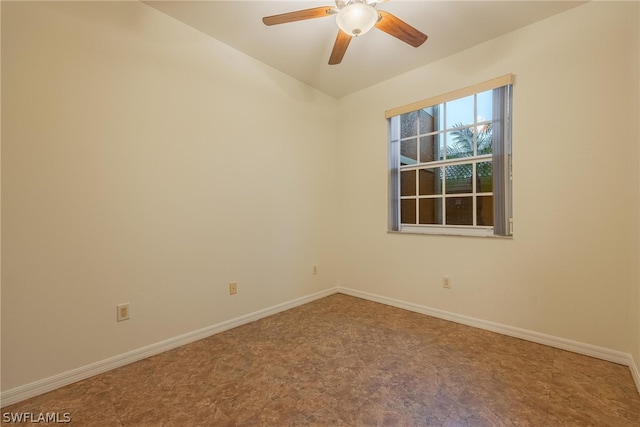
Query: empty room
(350,213)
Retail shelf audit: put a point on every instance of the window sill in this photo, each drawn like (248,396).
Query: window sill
(450,231)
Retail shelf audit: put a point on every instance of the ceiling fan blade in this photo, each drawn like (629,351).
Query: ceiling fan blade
(339,47)
(399,29)
(299,15)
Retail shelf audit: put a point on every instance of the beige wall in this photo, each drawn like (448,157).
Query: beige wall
(572,267)
(145,162)
(635,299)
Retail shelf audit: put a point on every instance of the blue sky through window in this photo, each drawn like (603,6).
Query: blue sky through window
(460,111)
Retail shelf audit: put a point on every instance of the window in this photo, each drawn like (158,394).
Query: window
(450,162)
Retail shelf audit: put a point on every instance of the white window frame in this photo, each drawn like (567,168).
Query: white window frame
(501,158)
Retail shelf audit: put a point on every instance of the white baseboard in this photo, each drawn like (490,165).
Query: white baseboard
(635,373)
(36,388)
(537,337)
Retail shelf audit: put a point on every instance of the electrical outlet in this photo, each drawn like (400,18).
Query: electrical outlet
(446,282)
(233,288)
(123,312)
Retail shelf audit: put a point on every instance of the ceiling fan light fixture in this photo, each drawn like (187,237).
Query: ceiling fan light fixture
(357,19)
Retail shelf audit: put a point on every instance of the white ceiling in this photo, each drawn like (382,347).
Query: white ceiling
(301,49)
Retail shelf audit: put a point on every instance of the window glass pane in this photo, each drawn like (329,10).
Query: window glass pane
(409,152)
(459,143)
(484,214)
(460,112)
(408,211)
(460,210)
(430,181)
(458,179)
(430,211)
(484,139)
(485,106)
(427,119)
(484,177)
(408,183)
(430,149)
(409,124)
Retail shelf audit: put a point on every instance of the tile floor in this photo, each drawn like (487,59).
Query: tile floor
(344,361)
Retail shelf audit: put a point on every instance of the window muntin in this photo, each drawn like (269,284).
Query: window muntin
(444,160)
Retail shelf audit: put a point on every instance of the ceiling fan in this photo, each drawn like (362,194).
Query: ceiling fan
(354,18)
